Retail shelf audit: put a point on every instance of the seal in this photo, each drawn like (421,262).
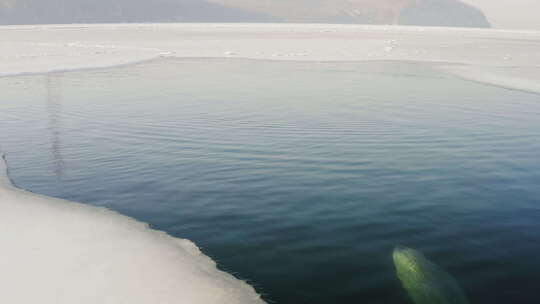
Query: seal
(424,281)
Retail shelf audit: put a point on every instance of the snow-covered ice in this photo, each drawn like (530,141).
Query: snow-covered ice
(60,252)
(508,58)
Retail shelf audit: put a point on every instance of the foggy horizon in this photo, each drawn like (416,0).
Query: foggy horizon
(455,13)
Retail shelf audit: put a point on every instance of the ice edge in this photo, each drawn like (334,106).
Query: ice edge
(51,237)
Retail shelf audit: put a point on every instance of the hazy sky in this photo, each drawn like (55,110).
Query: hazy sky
(515,14)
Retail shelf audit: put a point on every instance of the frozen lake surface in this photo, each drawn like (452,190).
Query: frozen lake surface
(300,177)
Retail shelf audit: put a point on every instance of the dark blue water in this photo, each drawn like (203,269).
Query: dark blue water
(299,177)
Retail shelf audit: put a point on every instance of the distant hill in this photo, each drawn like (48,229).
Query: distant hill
(408,12)
(112,11)
(443,13)
(337,11)
(510,14)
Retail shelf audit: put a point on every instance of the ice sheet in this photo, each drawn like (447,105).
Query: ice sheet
(61,252)
(485,54)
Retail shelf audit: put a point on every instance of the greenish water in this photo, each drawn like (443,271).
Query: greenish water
(299,177)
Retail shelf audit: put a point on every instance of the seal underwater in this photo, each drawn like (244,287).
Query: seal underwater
(425,282)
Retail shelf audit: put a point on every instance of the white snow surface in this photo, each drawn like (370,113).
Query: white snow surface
(61,252)
(508,58)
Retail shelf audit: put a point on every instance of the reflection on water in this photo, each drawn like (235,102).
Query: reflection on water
(301,177)
(53,85)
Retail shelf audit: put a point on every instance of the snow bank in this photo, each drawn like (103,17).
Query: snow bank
(501,57)
(60,252)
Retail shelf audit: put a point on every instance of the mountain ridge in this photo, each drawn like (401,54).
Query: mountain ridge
(407,12)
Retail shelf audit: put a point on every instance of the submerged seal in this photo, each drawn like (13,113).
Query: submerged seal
(425,282)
